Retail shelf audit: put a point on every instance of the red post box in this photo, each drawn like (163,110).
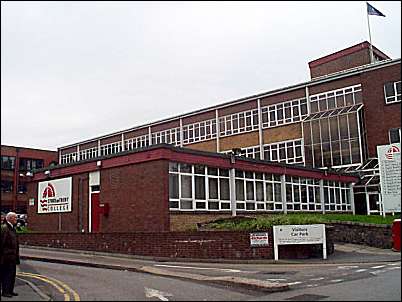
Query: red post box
(396,235)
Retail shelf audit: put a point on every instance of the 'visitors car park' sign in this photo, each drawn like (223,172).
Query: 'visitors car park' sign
(54,196)
(299,234)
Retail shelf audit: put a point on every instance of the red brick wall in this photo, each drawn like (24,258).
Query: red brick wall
(20,199)
(138,197)
(204,245)
(355,59)
(379,117)
(69,222)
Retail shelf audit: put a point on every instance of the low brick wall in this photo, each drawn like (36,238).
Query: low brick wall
(203,245)
(375,235)
(208,244)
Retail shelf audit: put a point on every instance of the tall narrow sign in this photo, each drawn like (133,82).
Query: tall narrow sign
(389,159)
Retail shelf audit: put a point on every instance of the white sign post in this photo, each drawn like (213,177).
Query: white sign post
(389,160)
(54,196)
(300,234)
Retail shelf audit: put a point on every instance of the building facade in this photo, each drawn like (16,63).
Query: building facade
(15,163)
(164,188)
(332,122)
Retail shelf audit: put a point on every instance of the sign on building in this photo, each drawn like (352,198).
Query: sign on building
(258,239)
(389,160)
(299,234)
(54,196)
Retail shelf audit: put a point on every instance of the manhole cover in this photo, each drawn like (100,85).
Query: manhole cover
(307,297)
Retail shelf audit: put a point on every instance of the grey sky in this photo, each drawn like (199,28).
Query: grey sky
(71,71)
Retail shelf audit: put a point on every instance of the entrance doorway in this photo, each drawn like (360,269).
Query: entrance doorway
(95,213)
(373,203)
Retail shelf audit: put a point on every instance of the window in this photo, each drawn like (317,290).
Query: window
(395,135)
(284,113)
(392,91)
(329,100)
(6,186)
(7,162)
(27,164)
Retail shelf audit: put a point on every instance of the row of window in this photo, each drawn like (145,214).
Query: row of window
(25,164)
(392,91)
(274,115)
(284,113)
(289,152)
(343,97)
(198,132)
(333,140)
(198,187)
(8,185)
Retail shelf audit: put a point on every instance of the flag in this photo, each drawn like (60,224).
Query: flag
(373,11)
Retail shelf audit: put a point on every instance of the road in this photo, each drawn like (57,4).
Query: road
(362,281)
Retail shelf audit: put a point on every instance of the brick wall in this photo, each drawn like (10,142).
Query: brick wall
(67,222)
(202,245)
(360,233)
(140,192)
(358,58)
(208,244)
(379,117)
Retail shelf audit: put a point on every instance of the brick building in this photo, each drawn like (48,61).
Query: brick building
(15,163)
(332,122)
(165,188)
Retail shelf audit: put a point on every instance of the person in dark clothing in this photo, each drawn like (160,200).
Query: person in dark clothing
(9,255)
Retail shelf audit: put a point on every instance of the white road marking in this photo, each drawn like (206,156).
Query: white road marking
(294,283)
(150,292)
(312,285)
(336,280)
(361,270)
(275,280)
(392,268)
(379,266)
(393,264)
(347,267)
(378,272)
(317,279)
(201,268)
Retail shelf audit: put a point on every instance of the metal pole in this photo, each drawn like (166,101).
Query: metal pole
(371,45)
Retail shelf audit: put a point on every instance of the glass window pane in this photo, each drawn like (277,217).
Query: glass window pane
(239,190)
(224,189)
(270,191)
(278,194)
(259,191)
(250,190)
(174,186)
(186,189)
(213,188)
(200,187)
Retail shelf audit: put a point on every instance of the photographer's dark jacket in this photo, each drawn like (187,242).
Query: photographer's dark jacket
(9,249)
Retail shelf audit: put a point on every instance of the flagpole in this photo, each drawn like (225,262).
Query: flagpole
(371,45)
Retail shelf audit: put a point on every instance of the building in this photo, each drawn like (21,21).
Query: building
(333,122)
(15,163)
(165,188)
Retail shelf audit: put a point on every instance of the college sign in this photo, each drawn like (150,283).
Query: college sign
(389,160)
(54,196)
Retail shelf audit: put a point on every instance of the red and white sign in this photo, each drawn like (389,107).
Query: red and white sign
(54,196)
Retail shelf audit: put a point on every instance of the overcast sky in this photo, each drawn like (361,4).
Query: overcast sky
(71,71)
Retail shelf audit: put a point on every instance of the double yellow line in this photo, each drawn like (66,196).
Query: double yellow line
(63,288)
